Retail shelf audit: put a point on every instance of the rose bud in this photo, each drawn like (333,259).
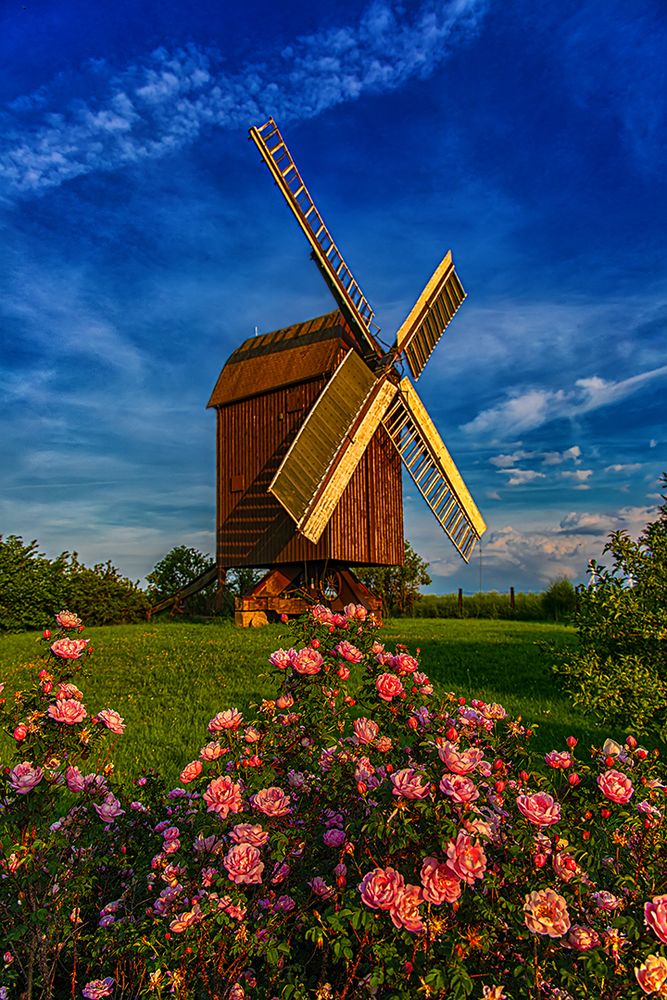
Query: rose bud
(540,860)
(631,742)
(46,634)
(20,732)
(571,741)
(573,779)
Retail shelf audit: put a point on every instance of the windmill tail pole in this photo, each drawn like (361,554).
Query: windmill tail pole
(192,588)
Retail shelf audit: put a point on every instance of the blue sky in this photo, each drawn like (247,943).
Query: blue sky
(143,241)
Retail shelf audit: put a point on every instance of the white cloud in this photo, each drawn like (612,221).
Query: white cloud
(518,477)
(628,467)
(503,461)
(153,108)
(558,457)
(532,408)
(579,475)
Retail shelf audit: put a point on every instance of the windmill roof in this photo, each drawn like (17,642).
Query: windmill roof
(284,357)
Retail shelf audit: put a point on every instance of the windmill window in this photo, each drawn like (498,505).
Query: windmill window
(237,484)
(295,400)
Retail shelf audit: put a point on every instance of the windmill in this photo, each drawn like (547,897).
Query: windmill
(314,422)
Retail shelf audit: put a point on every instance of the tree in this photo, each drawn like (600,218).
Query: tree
(181,566)
(619,668)
(398,586)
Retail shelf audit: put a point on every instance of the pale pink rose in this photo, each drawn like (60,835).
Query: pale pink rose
(409,784)
(67,619)
(355,612)
(388,686)
(377,647)
(284,701)
(403,663)
(223,796)
(24,777)
(384,744)
(282,658)
(546,913)
(236,993)
(181,922)
(493,993)
(365,730)
(439,884)
(251,735)
(68,690)
(540,808)
(231,718)
(212,751)
(459,788)
(96,989)
(405,911)
(652,974)
(466,858)
(459,762)
(243,864)
(307,661)
(559,759)
(606,901)
(112,720)
(109,809)
(565,866)
(249,833)
(655,915)
(271,801)
(191,771)
(380,888)
(615,786)
(320,888)
(582,938)
(69,711)
(349,652)
(74,779)
(69,649)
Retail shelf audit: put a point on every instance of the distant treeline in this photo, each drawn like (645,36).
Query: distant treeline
(557,603)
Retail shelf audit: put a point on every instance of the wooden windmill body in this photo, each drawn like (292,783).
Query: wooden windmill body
(313,425)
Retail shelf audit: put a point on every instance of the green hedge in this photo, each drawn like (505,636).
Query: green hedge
(527,607)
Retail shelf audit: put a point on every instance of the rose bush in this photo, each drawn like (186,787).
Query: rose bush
(358,836)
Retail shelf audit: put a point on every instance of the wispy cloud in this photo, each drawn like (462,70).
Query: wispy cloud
(532,408)
(153,108)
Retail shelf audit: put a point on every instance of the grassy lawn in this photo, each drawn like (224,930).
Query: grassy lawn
(168,679)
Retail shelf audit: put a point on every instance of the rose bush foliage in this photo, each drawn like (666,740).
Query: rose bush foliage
(358,835)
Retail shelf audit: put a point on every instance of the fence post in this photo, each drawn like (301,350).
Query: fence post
(512,598)
(460,599)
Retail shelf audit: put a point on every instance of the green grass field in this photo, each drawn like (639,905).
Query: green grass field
(168,679)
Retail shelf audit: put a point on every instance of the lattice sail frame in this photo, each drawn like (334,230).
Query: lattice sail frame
(362,394)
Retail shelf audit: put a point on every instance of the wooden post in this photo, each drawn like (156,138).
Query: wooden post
(512,598)
(460,603)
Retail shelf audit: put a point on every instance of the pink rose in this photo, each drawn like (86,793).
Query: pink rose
(181,922)
(96,989)
(282,658)
(243,864)
(540,808)
(652,975)
(582,938)
(251,735)
(68,690)
(67,619)
(355,612)
(439,883)
(334,837)
(655,915)
(223,796)
(459,788)
(249,833)
(307,661)
(349,652)
(388,686)
(606,901)
(466,858)
(24,777)
(112,720)
(191,771)
(365,730)
(74,779)
(405,911)
(20,732)
(212,751)
(615,786)
(69,649)
(546,913)
(271,801)
(559,759)
(380,888)
(565,866)
(403,663)
(109,809)
(69,711)
(409,784)
(459,762)
(229,719)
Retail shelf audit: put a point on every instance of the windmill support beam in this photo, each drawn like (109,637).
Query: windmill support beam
(293,589)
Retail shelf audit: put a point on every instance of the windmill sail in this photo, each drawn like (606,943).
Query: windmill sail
(430,316)
(429,463)
(321,461)
(328,257)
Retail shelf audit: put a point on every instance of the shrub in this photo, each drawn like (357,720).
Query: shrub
(559,600)
(398,586)
(619,667)
(357,836)
(527,607)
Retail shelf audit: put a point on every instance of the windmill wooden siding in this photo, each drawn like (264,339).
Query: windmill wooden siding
(262,397)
